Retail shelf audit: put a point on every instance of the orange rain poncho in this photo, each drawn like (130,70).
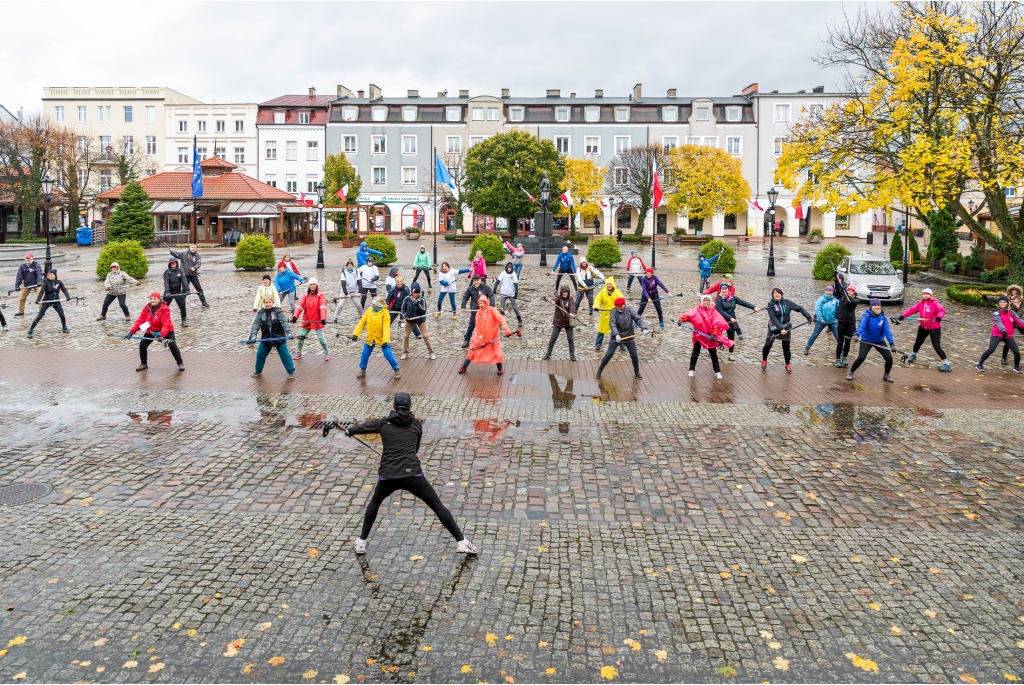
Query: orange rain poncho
(485,347)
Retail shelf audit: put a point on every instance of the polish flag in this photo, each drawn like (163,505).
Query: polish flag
(343,193)
(532,198)
(603,203)
(754,205)
(657,187)
(798,211)
(304,200)
(566,198)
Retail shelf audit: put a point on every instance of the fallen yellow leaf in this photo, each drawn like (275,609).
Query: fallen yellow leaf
(799,559)
(725,574)
(153,649)
(156,668)
(1020,643)
(415,557)
(371,662)
(856,560)
(895,559)
(609,672)
(249,668)
(491,639)
(3,652)
(765,634)
(85,663)
(310,674)
(466,669)
(972,516)
(18,676)
(100,669)
(861,663)
(542,549)
(542,643)
(313,554)
(633,644)
(176,626)
(341,679)
(935,571)
(780,663)
(1010,677)
(929,613)
(20,640)
(508,637)
(607,650)
(99,643)
(130,664)
(427,648)
(966,596)
(968,678)
(874,606)
(550,671)
(192,632)
(774,645)
(895,631)
(263,626)
(276,661)
(661,654)
(727,671)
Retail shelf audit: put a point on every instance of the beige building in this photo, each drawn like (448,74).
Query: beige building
(224,131)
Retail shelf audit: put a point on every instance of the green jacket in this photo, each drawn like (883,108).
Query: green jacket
(422,261)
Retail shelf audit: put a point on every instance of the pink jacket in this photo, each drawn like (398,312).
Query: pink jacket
(1009,320)
(928,311)
(478,267)
(706,320)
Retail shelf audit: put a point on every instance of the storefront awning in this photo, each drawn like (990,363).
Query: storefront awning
(174,207)
(245,209)
(290,209)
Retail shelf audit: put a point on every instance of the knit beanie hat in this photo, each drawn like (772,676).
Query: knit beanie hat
(620,301)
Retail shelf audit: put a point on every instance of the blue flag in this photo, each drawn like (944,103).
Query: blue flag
(443,177)
(197,173)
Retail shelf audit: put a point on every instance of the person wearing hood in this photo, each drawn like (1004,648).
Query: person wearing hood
(621,321)
(265,290)
(285,283)
(312,309)
(1014,294)
(176,287)
(364,252)
(414,311)
(369,276)
(780,326)
(874,333)
(604,302)
(846,319)
(586,278)
(422,265)
(929,315)
(1005,322)
(725,304)
(516,253)
(400,469)
(287,262)
(377,323)
(191,262)
(478,288)
(155,323)
(708,326)
(486,347)
(635,267)
(824,317)
(649,285)
(116,284)
(272,326)
(446,278)
(706,267)
(349,289)
(565,265)
(49,296)
(389,281)
(563,320)
(507,285)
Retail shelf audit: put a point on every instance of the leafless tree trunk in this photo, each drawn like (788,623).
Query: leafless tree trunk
(630,176)
(26,148)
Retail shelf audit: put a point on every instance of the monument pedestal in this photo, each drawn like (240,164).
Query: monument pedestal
(543,241)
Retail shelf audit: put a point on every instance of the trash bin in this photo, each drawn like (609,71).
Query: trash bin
(84,235)
(871,238)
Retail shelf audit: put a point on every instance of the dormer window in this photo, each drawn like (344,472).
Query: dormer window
(593,114)
(515,114)
(733,113)
(670,113)
(622,114)
(380,113)
(453,113)
(562,114)
(303,117)
(702,113)
(408,114)
(349,113)
(278,117)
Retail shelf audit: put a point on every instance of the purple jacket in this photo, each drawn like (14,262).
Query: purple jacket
(649,286)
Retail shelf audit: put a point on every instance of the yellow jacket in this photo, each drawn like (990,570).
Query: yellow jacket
(605,301)
(377,324)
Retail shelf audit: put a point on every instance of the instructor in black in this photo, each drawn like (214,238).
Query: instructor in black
(191,262)
(400,469)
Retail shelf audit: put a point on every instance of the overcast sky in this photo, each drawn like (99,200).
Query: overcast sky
(251,52)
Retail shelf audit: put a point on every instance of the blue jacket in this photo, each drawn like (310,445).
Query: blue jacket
(364,252)
(825,309)
(705,264)
(874,328)
(29,275)
(566,262)
(286,280)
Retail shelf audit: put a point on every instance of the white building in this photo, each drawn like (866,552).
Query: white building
(225,131)
(291,142)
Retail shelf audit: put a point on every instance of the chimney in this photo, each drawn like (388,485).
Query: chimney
(599,93)
(504,92)
(344,92)
(442,94)
(776,90)
(818,89)
(636,92)
(572,95)
(553,92)
(671,92)
(801,91)
(312,92)
(463,93)
(374,92)
(361,93)
(413,93)
(752,88)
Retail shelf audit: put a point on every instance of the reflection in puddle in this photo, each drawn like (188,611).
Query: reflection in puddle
(861,423)
(573,393)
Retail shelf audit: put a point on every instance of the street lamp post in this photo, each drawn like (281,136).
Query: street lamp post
(613,220)
(47,185)
(320,205)
(772,195)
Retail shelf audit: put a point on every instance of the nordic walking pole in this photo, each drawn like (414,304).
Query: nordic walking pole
(334,424)
(261,340)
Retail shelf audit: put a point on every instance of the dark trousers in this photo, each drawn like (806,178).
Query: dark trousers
(426,272)
(629,281)
(993,345)
(193,280)
(179,299)
(120,301)
(656,301)
(936,336)
(1006,348)
(630,345)
(171,345)
(695,354)
(363,293)
(42,311)
(419,487)
(589,294)
(769,341)
(471,327)
(572,277)
(555,330)
(862,354)
(846,331)
(3,321)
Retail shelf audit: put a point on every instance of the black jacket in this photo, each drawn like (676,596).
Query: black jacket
(270,324)
(29,275)
(622,322)
(414,311)
(401,433)
(50,291)
(846,312)
(175,281)
(473,294)
(779,313)
(727,307)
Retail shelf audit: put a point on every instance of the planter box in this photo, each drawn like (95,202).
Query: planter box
(974,273)
(348,242)
(412,236)
(937,264)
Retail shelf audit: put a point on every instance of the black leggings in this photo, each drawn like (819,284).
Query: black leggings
(425,271)
(936,336)
(179,299)
(862,354)
(120,300)
(419,487)
(555,330)
(572,277)
(171,345)
(697,347)
(1006,348)
(846,331)
(364,292)
(769,341)
(612,345)
(993,344)
(656,301)
(193,279)
(42,311)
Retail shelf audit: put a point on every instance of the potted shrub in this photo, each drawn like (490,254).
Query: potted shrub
(815,236)
(412,233)
(679,232)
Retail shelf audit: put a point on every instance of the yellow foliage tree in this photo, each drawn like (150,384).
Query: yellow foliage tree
(584,180)
(704,181)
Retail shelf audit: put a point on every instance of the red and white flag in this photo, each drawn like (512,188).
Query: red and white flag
(566,198)
(657,187)
(305,200)
(603,203)
(532,198)
(343,193)
(754,205)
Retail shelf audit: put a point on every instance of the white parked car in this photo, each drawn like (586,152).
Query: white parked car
(873,277)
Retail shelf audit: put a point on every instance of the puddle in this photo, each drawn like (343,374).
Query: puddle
(573,393)
(862,424)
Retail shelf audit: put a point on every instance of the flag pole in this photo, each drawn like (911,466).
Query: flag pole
(195,228)
(654,213)
(433,202)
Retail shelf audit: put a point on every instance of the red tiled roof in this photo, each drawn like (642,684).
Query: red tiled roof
(177,185)
(299,101)
(216,163)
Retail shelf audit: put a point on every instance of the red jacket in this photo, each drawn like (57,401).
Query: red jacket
(312,309)
(289,265)
(159,320)
(708,321)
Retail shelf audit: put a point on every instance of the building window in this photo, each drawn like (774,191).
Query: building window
(778,145)
(733,113)
(515,114)
(349,113)
(220,152)
(408,176)
(271,149)
(271,180)
(1010,192)
(711,141)
(379,145)
(58,114)
(201,126)
(492,114)
(311,181)
(128,116)
(473,140)
(182,126)
(408,114)
(730,222)
(81,114)
(592,145)
(453,114)
(201,153)
(220,126)
(291,150)
(670,113)
(239,126)
(562,144)
(303,117)
(621,144)
(83,178)
(291,183)
(83,144)
(380,176)
(104,114)
(182,155)
(562,114)
(621,176)
(408,145)
(702,114)
(150,114)
(622,114)
(278,117)
(151,145)
(379,113)
(593,114)
(781,112)
(478,115)
(669,142)
(105,147)
(105,183)
(312,150)
(815,111)
(239,155)
(129,145)
(734,145)
(349,144)
(454,145)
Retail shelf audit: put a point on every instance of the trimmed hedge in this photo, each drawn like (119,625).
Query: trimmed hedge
(972,295)
(254,252)
(491,246)
(633,238)
(726,264)
(914,268)
(129,256)
(384,244)
(825,259)
(603,252)
(997,275)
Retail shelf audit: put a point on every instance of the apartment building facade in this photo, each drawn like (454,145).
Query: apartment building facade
(224,131)
(291,142)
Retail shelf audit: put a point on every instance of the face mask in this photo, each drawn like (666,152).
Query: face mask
(377,309)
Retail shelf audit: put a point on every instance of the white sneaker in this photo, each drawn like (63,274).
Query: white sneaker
(360,546)
(718,375)
(404,356)
(433,356)
(690,374)
(465,547)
